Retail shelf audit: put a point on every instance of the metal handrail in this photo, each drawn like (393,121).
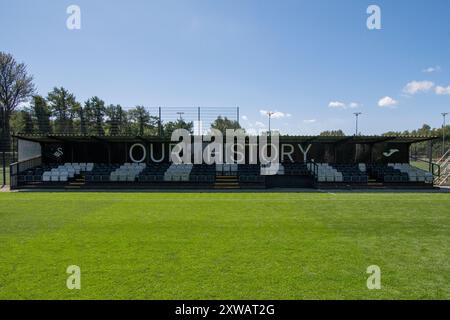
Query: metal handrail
(446,162)
(20,166)
(446,155)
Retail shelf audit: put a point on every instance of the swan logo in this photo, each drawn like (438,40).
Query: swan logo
(390,152)
(59,153)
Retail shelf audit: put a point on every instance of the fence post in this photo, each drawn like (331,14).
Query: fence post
(430,155)
(159,122)
(4,167)
(198,120)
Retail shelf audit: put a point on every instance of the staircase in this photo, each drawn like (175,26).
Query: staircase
(77,183)
(444,164)
(227,182)
(374,184)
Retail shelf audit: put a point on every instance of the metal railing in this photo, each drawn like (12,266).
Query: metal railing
(16,168)
(444,165)
(444,158)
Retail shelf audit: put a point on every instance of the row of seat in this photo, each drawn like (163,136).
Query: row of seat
(127,172)
(178,172)
(64,172)
(414,174)
(203,173)
(131,172)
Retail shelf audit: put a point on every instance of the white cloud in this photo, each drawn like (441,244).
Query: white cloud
(387,102)
(432,69)
(275,114)
(309,121)
(418,86)
(337,105)
(442,90)
(353,105)
(342,105)
(244,118)
(259,124)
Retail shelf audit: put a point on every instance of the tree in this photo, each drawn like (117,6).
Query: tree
(41,112)
(64,108)
(143,123)
(171,126)
(21,121)
(16,87)
(95,112)
(333,133)
(27,121)
(223,124)
(116,119)
(82,119)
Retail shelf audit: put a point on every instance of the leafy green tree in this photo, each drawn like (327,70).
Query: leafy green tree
(143,123)
(28,121)
(41,113)
(21,121)
(224,123)
(171,126)
(82,120)
(95,111)
(333,133)
(64,108)
(116,119)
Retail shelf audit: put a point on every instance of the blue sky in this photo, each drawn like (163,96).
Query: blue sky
(294,57)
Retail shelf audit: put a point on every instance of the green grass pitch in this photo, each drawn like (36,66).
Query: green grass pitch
(224,245)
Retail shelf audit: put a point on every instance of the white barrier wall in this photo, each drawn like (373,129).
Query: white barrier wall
(28,149)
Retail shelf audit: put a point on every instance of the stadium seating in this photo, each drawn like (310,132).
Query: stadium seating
(385,173)
(178,172)
(226,169)
(203,173)
(327,173)
(127,172)
(101,172)
(352,173)
(414,174)
(250,173)
(153,172)
(348,173)
(296,169)
(399,172)
(64,172)
(34,175)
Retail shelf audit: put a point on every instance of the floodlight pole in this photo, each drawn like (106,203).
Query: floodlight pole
(159,122)
(357,114)
(270,114)
(198,121)
(444,114)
